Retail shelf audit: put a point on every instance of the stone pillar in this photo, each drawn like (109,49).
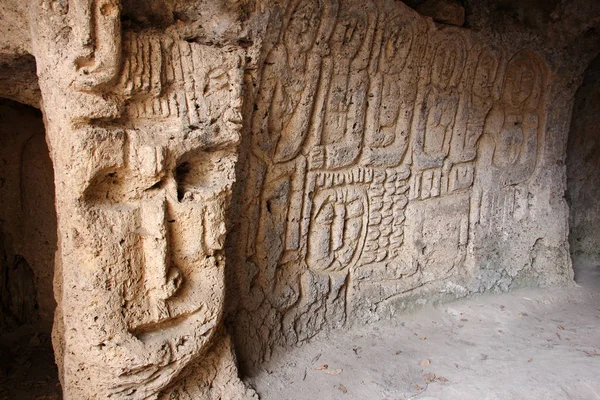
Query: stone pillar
(143,129)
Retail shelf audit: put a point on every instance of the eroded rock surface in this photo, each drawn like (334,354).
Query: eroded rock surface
(385,161)
(143,128)
(392,161)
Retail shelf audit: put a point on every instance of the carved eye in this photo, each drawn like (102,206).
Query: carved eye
(527,76)
(119,186)
(109,187)
(204,174)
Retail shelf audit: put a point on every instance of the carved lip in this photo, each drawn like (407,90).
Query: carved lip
(144,331)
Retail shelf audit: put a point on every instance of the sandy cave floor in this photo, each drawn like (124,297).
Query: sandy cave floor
(529,344)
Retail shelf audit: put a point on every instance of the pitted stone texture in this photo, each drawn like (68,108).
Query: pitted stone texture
(143,128)
(391,161)
(387,161)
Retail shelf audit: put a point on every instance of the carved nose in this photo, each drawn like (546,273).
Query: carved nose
(84,29)
(161,279)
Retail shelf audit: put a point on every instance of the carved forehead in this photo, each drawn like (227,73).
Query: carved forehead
(399,29)
(161,13)
(305,9)
(522,62)
(174,145)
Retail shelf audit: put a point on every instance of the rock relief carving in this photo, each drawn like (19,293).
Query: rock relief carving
(345,82)
(94,58)
(401,42)
(164,208)
(290,76)
(169,195)
(388,197)
(281,120)
(100,61)
(480,88)
(515,122)
(86,34)
(437,108)
(146,189)
(338,224)
(402,127)
(510,147)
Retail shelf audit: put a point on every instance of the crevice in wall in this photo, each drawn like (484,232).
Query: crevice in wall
(583,176)
(27,247)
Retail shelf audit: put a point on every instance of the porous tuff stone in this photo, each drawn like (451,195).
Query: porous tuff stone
(143,129)
(385,161)
(388,162)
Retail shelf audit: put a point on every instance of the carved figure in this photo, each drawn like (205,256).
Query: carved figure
(97,60)
(281,122)
(481,85)
(346,81)
(337,227)
(84,39)
(514,122)
(289,81)
(142,200)
(395,90)
(164,208)
(436,116)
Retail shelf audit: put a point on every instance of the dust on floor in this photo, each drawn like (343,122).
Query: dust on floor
(529,344)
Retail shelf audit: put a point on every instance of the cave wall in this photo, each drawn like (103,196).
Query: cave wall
(391,162)
(583,165)
(27,219)
(385,162)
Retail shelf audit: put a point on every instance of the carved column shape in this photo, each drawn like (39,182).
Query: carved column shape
(143,129)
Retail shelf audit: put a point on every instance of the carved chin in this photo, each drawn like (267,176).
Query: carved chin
(200,293)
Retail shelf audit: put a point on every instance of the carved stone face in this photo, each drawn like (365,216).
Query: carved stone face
(444,64)
(163,206)
(145,154)
(83,41)
(519,82)
(485,74)
(398,38)
(303,26)
(152,191)
(96,45)
(349,33)
(161,217)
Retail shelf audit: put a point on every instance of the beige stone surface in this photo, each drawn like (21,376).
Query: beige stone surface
(391,162)
(386,161)
(18,79)
(143,129)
